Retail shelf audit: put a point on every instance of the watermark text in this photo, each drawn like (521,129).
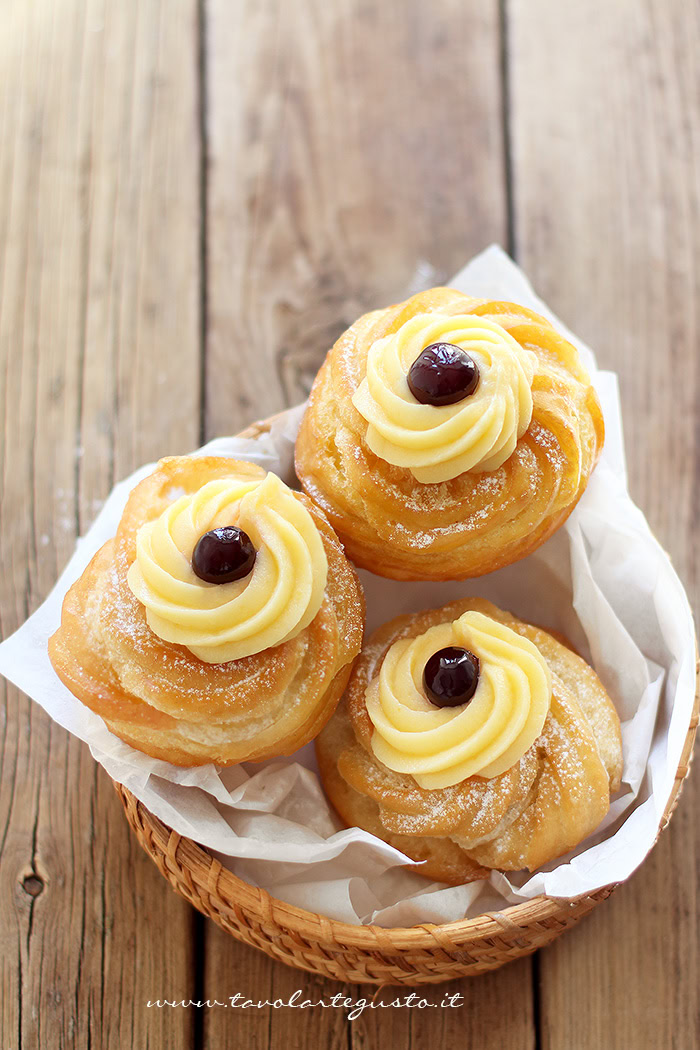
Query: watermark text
(298,1001)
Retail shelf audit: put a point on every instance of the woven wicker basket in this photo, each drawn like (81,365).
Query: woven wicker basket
(425,954)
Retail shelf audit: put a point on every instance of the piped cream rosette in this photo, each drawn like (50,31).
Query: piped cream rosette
(437,443)
(228,621)
(440,747)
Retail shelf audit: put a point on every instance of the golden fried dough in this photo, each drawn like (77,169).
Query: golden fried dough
(555,795)
(484,517)
(162,699)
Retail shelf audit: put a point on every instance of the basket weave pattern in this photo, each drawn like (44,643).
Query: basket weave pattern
(424,954)
(417,955)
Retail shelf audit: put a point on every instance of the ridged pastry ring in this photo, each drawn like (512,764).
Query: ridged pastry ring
(542,802)
(161,697)
(385,465)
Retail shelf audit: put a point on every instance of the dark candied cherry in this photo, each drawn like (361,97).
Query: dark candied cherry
(443,374)
(223,555)
(451,676)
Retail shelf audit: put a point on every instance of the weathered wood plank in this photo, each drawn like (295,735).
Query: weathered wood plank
(353,148)
(493,1010)
(606,138)
(336,167)
(99,342)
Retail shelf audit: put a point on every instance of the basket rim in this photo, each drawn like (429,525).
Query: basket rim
(216,880)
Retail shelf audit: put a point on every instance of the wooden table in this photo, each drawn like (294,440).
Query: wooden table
(195,198)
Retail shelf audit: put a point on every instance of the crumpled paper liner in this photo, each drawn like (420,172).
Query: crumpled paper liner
(602,579)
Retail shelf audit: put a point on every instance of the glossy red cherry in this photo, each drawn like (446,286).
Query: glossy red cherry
(451,676)
(223,555)
(443,374)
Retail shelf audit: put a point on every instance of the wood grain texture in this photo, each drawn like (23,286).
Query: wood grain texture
(492,1010)
(339,178)
(607,201)
(353,151)
(99,350)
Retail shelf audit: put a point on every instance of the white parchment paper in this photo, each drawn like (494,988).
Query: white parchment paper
(602,579)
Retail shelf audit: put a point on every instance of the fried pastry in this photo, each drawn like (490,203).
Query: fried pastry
(448,436)
(221,622)
(472,741)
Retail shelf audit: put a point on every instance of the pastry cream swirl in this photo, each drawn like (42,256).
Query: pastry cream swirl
(221,622)
(440,747)
(436,443)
